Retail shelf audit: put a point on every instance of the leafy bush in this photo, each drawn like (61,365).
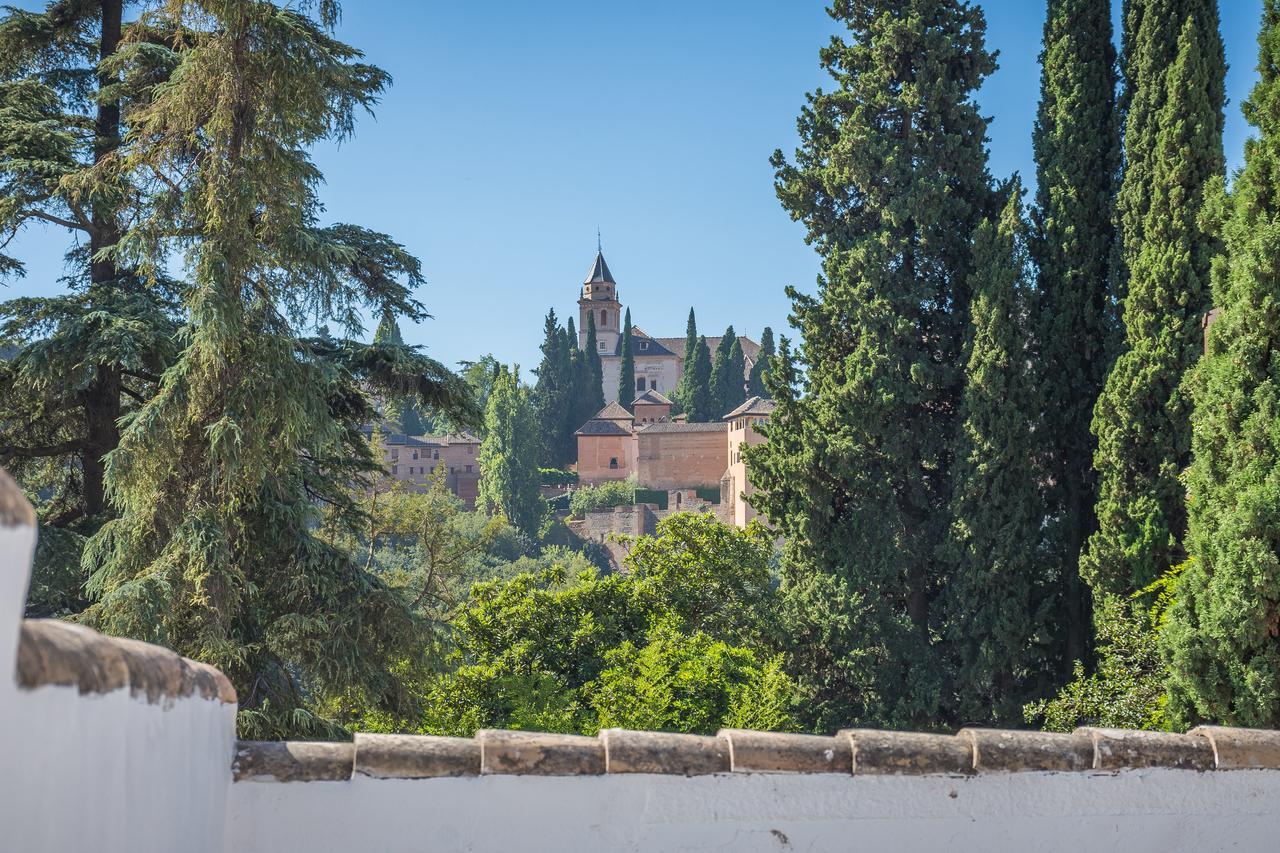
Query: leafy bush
(605,495)
(557,477)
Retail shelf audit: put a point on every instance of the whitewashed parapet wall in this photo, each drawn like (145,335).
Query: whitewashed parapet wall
(105,744)
(114,745)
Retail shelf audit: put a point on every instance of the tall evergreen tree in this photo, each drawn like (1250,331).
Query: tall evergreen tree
(552,396)
(218,477)
(1077,150)
(701,407)
(724,390)
(998,599)
(627,366)
(684,388)
(1220,640)
(755,384)
(593,400)
(890,182)
(509,481)
(86,358)
(736,380)
(1173,149)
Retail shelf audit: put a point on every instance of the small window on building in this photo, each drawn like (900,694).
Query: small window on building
(639,383)
(644,344)
(415,454)
(603,346)
(613,462)
(604,318)
(395,470)
(468,469)
(435,454)
(395,454)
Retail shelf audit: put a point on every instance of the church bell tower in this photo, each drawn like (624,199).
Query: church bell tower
(599,302)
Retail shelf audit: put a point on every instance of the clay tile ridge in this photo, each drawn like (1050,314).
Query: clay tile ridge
(851,752)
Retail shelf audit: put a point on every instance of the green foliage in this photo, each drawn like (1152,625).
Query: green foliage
(1077,153)
(680,642)
(509,478)
(998,601)
(601,496)
(554,397)
(593,379)
(218,477)
(627,367)
(727,376)
(698,405)
(1222,640)
(1126,690)
(755,383)
(890,180)
(1173,154)
(557,477)
(683,396)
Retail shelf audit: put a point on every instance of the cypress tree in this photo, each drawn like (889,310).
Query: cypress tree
(736,380)
(722,378)
(594,391)
(755,384)
(998,599)
(217,550)
(1077,149)
(1142,418)
(1220,640)
(509,481)
(627,367)
(890,182)
(552,395)
(388,333)
(684,388)
(700,403)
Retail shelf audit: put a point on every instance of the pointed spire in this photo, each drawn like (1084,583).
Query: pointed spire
(599,271)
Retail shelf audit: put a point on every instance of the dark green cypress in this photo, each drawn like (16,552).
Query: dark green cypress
(1173,144)
(1077,150)
(551,396)
(684,388)
(999,598)
(755,384)
(1221,640)
(593,400)
(700,403)
(722,376)
(627,367)
(890,181)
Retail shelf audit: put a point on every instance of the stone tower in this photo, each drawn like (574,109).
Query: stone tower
(600,299)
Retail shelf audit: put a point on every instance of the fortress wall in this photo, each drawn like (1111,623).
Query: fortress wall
(676,460)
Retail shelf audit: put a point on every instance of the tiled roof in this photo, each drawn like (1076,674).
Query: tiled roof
(599,271)
(612,412)
(851,752)
(601,427)
(653,347)
(652,398)
(670,426)
(753,406)
(750,349)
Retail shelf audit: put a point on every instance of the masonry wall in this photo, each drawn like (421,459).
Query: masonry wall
(674,460)
(595,453)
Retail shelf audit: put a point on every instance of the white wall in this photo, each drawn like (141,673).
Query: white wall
(108,772)
(1131,811)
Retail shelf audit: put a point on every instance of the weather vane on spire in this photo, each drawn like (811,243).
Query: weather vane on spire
(598,249)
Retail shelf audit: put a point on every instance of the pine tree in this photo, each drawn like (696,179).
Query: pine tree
(723,387)
(1220,640)
(627,367)
(755,384)
(684,388)
(701,406)
(593,400)
(218,477)
(1077,149)
(890,182)
(1142,419)
(998,599)
(509,481)
(84,359)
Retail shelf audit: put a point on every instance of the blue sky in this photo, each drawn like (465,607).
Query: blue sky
(514,129)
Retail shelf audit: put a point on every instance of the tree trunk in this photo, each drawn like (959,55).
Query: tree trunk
(102,397)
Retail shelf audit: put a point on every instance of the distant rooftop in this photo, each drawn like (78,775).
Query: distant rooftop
(675,426)
(753,406)
(652,398)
